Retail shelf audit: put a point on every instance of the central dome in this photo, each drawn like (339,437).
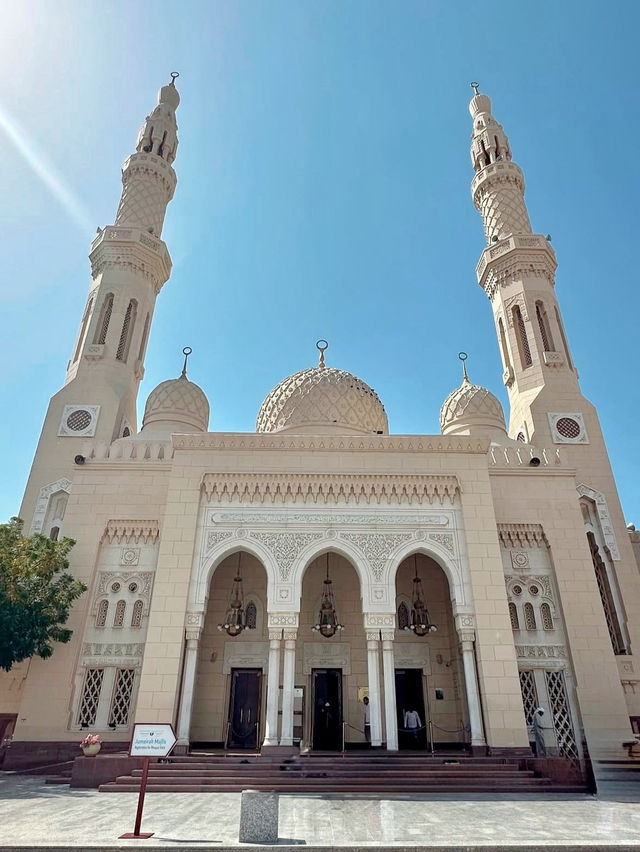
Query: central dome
(320,400)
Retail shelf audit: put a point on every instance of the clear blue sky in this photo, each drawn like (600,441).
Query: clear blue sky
(323,192)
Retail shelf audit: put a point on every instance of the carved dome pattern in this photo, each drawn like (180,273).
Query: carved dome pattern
(471,403)
(179,401)
(323,396)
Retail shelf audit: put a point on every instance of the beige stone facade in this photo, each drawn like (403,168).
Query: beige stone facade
(516,536)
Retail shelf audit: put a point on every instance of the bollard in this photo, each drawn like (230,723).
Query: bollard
(258,817)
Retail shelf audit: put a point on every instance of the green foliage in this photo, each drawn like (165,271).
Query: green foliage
(35,594)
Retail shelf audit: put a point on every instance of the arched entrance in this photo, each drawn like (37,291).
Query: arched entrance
(230,682)
(331,671)
(429,679)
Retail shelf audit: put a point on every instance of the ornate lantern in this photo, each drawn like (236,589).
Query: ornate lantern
(420,621)
(234,622)
(327,624)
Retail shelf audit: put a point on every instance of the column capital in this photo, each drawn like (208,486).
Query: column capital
(373,636)
(467,638)
(387,635)
(289,635)
(275,635)
(193,634)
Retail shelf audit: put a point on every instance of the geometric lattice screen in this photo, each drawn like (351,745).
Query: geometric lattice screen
(90,697)
(561,714)
(119,713)
(529,695)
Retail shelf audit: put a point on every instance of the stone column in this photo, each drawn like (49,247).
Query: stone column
(288,684)
(273,689)
(467,638)
(389,672)
(375,698)
(192,635)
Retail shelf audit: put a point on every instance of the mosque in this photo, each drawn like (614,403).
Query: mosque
(253,588)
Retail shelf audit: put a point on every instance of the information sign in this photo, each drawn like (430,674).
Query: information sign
(152,740)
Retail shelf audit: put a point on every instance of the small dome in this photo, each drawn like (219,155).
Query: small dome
(176,405)
(472,410)
(479,103)
(323,399)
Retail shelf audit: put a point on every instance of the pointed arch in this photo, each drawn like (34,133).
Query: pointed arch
(503,344)
(521,337)
(545,328)
(201,579)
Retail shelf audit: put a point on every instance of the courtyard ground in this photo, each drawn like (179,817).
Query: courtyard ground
(34,814)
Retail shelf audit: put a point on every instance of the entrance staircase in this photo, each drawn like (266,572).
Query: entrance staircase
(356,772)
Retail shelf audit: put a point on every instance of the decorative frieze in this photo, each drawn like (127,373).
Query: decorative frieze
(226,441)
(445,539)
(335,489)
(285,546)
(377,547)
(521,536)
(273,517)
(541,652)
(132,532)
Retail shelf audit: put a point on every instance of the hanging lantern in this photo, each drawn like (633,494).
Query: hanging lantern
(234,622)
(420,622)
(327,624)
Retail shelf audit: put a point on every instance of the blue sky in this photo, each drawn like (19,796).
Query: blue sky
(323,191)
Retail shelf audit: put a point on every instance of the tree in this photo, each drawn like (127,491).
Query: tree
(35,594)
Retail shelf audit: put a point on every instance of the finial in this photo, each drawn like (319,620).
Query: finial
(322,346)
(186,352)
(174,77)
(463,357)
(475,87)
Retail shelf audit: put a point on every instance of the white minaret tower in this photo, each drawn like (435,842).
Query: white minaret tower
(517,271)
(129,265)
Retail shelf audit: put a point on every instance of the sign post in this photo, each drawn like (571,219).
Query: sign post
(148,741)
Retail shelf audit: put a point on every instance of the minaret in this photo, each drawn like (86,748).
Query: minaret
(129,265)
(548,409)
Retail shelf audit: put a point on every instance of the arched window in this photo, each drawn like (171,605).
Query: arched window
(83,329)
(251,615)
(118,619)
(521,336)
(503,344)
(101,617)
(564,339)
(127,331)
(606,596)
(545,616)
(403,616)
(529,617)
(513,616)
(102,328)
(143,340)
(136,615)
(545,329)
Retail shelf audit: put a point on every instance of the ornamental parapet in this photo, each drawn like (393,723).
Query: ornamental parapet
(131,248)
(150,165)
(519,254)
(495,174)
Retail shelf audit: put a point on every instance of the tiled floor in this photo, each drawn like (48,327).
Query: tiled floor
(35,814)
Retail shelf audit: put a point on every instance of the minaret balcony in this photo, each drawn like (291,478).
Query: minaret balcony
(132,248)
(518,254)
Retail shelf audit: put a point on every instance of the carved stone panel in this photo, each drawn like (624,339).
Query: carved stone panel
(245,655)
(327,654)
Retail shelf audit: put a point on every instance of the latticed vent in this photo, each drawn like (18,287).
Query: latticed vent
(561,714)
(127,331)
(118,619)
(121,702)
(105,318)
(611,617)
(101,617)
(568,427)
(545,616)
(251,616)
(513,615)
(90,697)
(136,615)
(529,617)
(529,695)
(403,616)
(79,420)
(523,341)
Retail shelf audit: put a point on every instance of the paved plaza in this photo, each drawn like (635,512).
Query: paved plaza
(34,814)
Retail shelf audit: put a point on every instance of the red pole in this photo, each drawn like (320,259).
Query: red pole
(143,790)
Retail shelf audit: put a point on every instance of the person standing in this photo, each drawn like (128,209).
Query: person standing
(538,733)
(367,719)
(412,723)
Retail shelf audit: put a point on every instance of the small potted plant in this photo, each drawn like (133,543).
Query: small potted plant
(91,745)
